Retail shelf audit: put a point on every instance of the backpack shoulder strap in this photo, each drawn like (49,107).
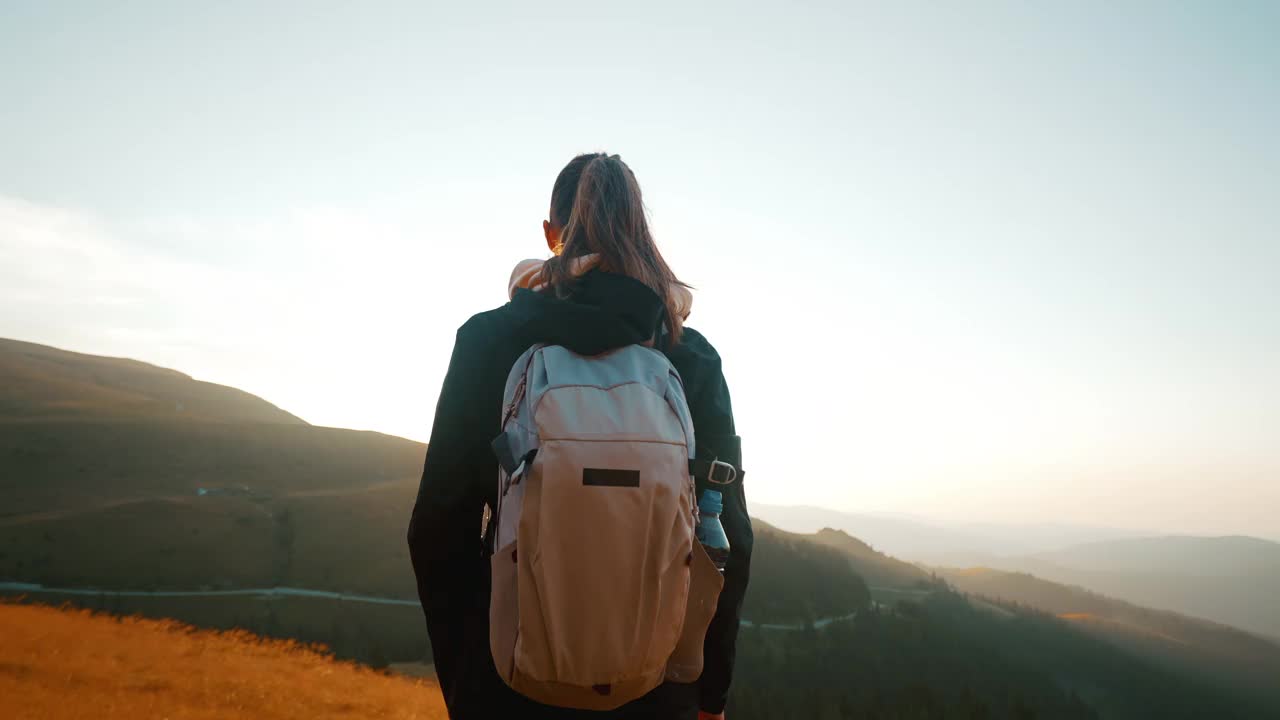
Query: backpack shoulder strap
(710,469)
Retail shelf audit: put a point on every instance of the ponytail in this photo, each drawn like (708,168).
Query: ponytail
(596,203)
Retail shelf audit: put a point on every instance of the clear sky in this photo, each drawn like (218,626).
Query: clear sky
(990,261)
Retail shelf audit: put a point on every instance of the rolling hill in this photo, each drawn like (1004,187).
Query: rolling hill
(877,568)
(117,473)
(1232,658)
(41,382)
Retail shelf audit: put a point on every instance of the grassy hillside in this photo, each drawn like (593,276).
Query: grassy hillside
(1232,580)
(120,504)
(64,664)
(70,466)
(37,381)
(83,434)
(1231,658)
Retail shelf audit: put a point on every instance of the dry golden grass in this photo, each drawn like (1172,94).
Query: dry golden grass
(57,664)
(1082,617)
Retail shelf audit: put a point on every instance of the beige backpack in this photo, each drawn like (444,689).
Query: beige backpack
(600,590)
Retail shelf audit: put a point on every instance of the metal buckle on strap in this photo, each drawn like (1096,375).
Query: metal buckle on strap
(726,475)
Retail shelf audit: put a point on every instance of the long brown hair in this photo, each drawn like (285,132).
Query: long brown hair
(596,203)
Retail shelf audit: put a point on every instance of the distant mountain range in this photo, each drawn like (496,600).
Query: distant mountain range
(934,542)
(1231,580)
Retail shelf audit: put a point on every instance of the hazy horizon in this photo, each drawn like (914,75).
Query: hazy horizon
(1012,264)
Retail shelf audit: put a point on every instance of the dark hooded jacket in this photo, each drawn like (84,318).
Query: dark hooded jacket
(603,312)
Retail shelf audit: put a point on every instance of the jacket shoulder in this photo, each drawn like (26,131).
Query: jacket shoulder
(485,327)
(695,352)
(698,363)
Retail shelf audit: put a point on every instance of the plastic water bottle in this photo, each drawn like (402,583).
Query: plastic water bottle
(710,532)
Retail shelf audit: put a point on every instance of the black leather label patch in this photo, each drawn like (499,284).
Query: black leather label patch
(610,478)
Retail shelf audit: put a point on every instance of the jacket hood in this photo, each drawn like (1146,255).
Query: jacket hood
(604,311)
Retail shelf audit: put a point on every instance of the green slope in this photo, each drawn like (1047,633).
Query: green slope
(37,381)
